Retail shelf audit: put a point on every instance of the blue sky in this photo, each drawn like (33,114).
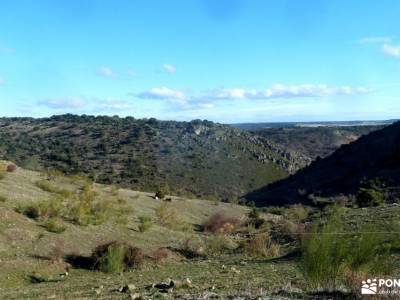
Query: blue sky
(221,60)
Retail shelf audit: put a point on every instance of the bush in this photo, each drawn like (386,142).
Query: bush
(3,198)
(145,223)
(254,213)
(261,245)
(219,244)
(31,211)
(297,213)
(193,247)
(116,257)
(169,217)
(219,223)
(112,261)
(43,209)
(367,197)
(52,225)
(134,258)
(328,253)
(160,255)
(11,168)
(46,186)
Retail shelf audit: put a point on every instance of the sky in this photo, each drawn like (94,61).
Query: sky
(228,61)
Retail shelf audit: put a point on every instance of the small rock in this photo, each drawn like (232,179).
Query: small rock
(128,288)
(97,291)
(234,270)
(135,296)
(187,282)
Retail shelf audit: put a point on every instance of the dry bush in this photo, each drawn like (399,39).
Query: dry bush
(160,255)
(170,217)
(261,245)
(293,231)
(193,247)
(219,223)
(134,257)
(220,244)
(297,213)
(11,168)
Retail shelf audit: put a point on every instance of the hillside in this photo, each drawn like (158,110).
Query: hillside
(197,158)
(376,155)
(39,260)
(318,141)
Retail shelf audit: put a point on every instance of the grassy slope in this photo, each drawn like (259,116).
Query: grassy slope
(24,243)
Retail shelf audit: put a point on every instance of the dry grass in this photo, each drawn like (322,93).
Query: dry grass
(261,245)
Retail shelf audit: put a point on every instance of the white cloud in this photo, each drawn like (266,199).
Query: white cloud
(63,103)
(1,81)
(285,91)
(106,72)
(162,93)
(375,40)
(6,50)
(391,50)
(113,104)
(169,68)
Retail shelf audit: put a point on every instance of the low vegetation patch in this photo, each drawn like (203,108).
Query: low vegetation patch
(54,226)
(261,245)
(220,223)
(329,253)
(160,255)
(367,197)
(117,257)
(48,186)
(169,217)
(144,223)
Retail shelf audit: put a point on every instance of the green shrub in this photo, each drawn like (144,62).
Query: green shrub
(3,198)
(43,209)
(52,225)
(145,223)
(117,257)
(254,213)
(370,197)
(113,260)
(328,252)
(162,191)
(47,186)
